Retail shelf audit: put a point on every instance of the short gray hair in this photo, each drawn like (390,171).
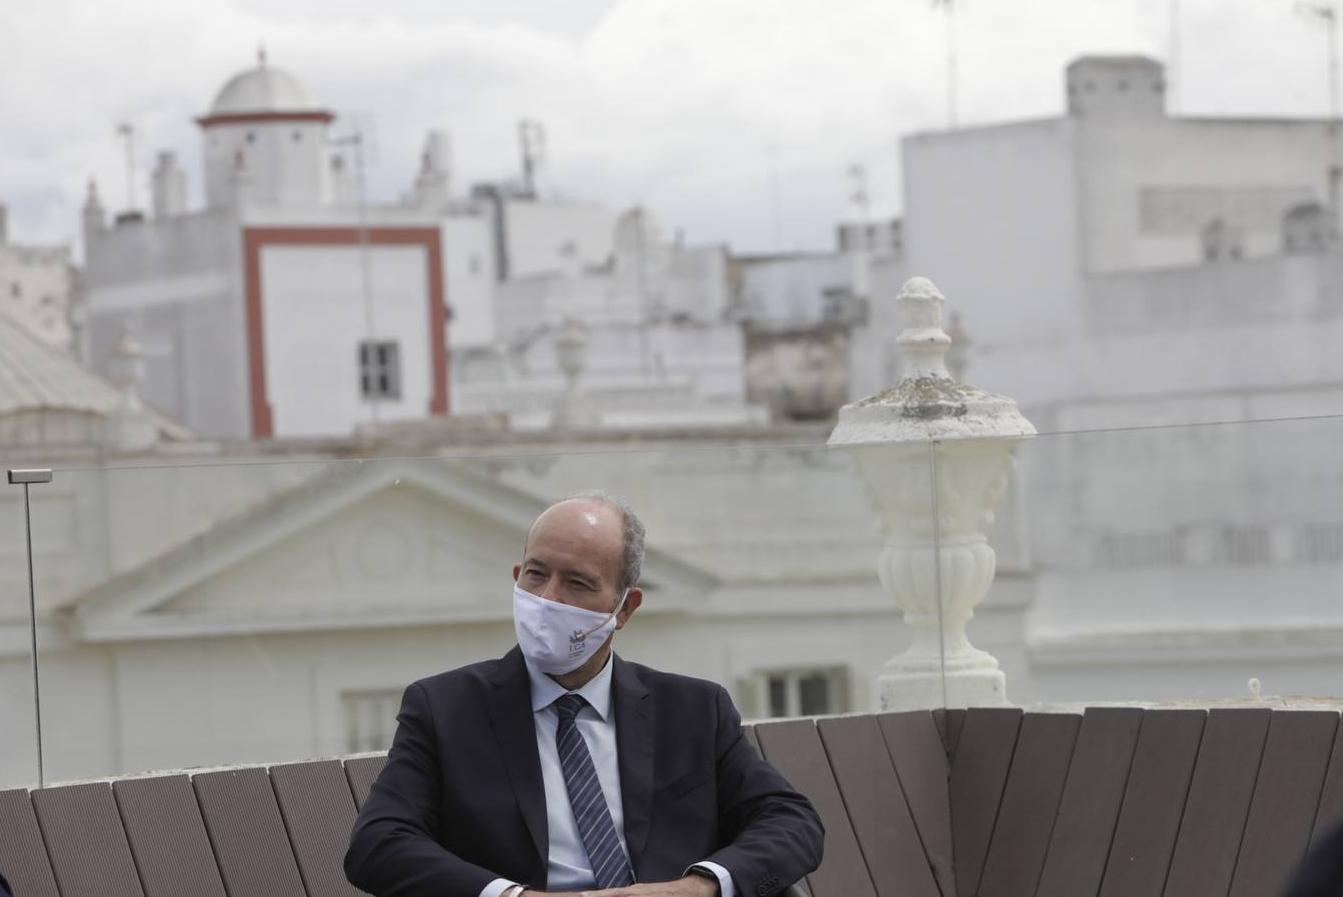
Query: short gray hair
(632,529)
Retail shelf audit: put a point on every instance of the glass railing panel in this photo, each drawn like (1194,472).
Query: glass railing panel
(1196,562)
(265,610)
(19,543)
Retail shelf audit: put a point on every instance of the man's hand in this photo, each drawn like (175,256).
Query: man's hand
(690,886)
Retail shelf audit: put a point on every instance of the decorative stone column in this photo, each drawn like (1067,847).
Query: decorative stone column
(936,563)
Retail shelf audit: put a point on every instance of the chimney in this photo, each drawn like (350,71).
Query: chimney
(431,185)
(169,186)
(95,216)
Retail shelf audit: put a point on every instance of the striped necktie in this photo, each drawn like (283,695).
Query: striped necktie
(610,869)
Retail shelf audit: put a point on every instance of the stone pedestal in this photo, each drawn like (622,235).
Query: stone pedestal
(936,457)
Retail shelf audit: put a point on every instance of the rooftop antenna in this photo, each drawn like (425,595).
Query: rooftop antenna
(949,6)
(356,141)
(1173,66)
(127,133)
(861,243)
(775,202)
(261,55)
(1325,12)
(532,143)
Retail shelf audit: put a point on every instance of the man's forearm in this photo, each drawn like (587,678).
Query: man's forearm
(689,886)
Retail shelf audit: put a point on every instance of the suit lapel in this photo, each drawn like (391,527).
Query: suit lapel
(634,744)
(510,710)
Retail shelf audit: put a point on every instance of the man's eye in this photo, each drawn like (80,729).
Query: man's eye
(579,584)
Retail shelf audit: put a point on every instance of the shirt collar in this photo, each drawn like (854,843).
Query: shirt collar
(597,691)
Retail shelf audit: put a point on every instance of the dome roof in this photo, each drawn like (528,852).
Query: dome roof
(263,91)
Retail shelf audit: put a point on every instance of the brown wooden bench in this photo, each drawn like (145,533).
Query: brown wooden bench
(1114,802)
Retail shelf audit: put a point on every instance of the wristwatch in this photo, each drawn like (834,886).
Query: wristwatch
(705,873)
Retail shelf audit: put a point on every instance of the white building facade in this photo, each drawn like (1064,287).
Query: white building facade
(39,288)
(291,306)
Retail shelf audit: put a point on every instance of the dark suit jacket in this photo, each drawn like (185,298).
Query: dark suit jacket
(461,801)
(1321,875)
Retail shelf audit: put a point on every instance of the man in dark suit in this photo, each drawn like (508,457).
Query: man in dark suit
(561,767)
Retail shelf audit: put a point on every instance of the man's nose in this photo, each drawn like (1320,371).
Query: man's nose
(551,591)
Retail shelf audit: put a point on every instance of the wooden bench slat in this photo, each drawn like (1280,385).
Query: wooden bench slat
(1163,765)
(919,756)
(955,726)
(23,856)
(1030,804)
(1092,795)
(1219,803)
(1285,802)
(876,807)
(318,811)
(248,834)
(794,748)
(361,772)
(1330,813)
(978,775)
(167,837)
(85,841)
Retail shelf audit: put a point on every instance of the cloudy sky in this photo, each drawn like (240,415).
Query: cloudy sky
(733,119)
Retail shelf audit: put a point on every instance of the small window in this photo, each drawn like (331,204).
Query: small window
(379,370)
(251,136)
(804,692)
(370,719)
(297,136)
(15,289)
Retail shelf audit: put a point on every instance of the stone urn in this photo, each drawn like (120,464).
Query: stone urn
(936,458)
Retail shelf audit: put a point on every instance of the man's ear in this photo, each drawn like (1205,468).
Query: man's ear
(632,602)
(517,569)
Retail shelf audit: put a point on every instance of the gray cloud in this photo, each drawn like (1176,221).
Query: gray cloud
(680,104)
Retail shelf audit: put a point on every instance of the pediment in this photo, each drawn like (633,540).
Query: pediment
(409,543)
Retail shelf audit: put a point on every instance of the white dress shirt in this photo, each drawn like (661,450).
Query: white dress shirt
(568,868)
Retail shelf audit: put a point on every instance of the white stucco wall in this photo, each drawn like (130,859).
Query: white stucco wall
(284,162)
(789,290)
(540,235)
(1147,185)
(177,284)
(468,260)
(315,317)
(36,288)
(991,217)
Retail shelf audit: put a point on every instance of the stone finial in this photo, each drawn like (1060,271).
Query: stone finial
(927,403)
(130,426)
(127,362)
(923,341)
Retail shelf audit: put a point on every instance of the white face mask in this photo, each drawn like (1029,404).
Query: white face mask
(559,638)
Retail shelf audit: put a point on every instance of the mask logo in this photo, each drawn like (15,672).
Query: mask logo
(577,640)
